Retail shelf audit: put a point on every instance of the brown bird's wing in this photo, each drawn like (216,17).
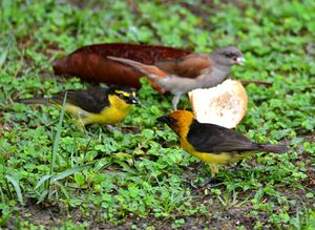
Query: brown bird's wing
(213,138)
(190,66)
(150,70)
(89,63)
(92,100)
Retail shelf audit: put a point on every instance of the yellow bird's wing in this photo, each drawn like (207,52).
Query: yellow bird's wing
(92,100)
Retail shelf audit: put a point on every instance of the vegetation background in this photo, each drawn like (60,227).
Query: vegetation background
(55,175)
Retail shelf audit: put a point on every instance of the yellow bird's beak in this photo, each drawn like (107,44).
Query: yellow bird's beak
(134,100)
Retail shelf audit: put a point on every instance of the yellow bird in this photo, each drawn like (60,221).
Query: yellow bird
(94,105)
(212,143)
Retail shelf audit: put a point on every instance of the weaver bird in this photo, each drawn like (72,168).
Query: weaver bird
(93,105)
(211,143)
(216,68)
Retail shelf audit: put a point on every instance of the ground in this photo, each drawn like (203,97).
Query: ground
(136,177)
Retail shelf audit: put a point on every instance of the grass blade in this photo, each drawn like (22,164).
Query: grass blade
(17,188)
(3,57)
(69,172)
(2,195)
(42,196)
(42,180)
(57,137)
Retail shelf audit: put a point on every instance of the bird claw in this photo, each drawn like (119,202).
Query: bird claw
(112,128)
(209,182)
(80,124)
(213,169)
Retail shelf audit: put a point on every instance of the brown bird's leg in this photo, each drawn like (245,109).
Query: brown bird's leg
(175,101)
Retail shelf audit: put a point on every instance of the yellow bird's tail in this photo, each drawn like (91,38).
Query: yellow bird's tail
(272,148)
(35,100)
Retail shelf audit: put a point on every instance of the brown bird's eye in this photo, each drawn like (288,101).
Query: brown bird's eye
(229,55)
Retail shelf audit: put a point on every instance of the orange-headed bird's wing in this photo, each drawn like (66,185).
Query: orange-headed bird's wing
(215,139)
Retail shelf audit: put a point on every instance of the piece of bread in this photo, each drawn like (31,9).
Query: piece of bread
(224,105)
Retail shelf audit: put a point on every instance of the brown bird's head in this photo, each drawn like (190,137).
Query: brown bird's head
(228,56)
(178,120)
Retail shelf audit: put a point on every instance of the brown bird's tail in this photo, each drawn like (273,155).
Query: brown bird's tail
(151,71)
(273,148)
(35,100)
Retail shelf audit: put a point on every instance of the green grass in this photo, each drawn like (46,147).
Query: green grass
(56,175)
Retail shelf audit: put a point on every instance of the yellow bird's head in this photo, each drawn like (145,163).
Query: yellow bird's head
(179,121)
(128,95)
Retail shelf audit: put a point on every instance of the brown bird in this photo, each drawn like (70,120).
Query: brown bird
(90,63)
(215,69)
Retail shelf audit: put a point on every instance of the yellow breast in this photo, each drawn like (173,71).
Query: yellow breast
(112,114)
(213,158)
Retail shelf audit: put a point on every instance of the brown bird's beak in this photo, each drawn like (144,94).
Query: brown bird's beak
(240,60)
